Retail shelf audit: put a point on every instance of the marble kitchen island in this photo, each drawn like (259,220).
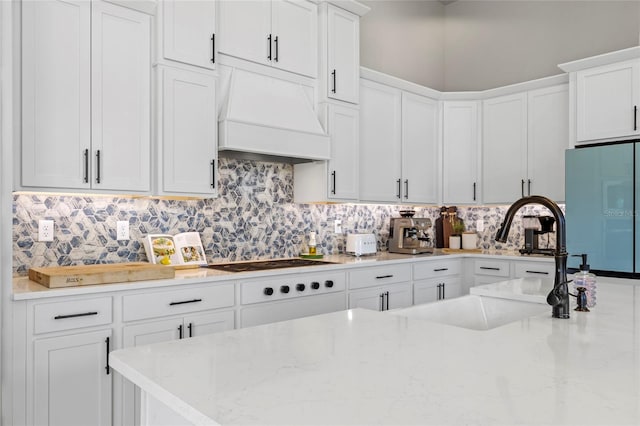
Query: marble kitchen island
(365,367)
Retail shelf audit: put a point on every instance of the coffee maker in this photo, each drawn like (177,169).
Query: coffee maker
(408,235)
(534,226)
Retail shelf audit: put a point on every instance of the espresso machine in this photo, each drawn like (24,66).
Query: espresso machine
(534,227)
(408,235)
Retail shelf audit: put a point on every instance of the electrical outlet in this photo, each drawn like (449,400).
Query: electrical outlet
(122,230)
(337,226)
(479,225)
(45,230)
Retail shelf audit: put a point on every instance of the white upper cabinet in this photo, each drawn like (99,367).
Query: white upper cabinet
(524,139)
(280,33)
(188,127)
(189,31)
(398,145)
(504,148)
(420,162)
(343,54)
(460,152)
(607,101)
(86,96)
(380,142)
(56,93)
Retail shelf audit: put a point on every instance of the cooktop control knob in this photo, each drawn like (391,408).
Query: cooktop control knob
(268,291)
(284,289)
(300,287)
(328,283)
(315,285)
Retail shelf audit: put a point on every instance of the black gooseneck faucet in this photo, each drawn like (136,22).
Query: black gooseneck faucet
(558,297)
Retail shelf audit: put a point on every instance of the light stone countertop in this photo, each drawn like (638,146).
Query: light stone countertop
(25,289)
(365,367)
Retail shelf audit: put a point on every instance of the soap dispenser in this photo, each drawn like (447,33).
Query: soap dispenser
(585,279)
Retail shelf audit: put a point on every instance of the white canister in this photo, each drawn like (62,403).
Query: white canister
(454,242)
(469,240)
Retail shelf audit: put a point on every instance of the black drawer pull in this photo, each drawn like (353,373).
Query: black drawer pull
(537,272)
(185,301)
(180,330)
(213,48)
(490,268)
(379,277)
(84,314)
(440,269)
(107,341)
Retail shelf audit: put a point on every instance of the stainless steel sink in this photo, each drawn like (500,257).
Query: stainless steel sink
(474,312)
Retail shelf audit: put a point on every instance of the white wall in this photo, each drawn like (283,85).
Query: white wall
(481,44)
(404,39)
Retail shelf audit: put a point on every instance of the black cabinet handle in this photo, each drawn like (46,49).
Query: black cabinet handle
(269,55)
(528,186)
(86,166)
(213,173)
(107,341)
(381,301)
(275,58)
(440,269)
(379,277)
(98,166)
(180,331)
(213,48)
(439,291)
(387,294)
(522,188)
(84,314)
(333,75)
(185,301)
(635,117)
(333,182)
(406,189)
(537,272)
(444,296)
(490,268)
(474,191)
(190,327)
(398,194)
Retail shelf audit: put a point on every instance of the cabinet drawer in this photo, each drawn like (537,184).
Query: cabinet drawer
(497,268)
(379,275)
(159,304)
(534,269)
(436,268)
(59,316)
(253,291)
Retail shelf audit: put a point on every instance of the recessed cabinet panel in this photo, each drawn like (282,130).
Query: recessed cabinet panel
(245,27)
(343,55)
(295,25)
(189,28)
(344,130)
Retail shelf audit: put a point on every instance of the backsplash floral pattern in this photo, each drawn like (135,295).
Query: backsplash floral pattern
(253,217)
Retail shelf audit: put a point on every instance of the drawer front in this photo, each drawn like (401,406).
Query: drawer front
(379,275)
(256,290)
(165,303)
(59,316)
(535,269)
(436,268)
(497,268)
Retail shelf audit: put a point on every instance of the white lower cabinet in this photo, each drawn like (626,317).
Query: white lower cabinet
(382,298)
(265,313)
(487,271)
(436,289)
(71,380)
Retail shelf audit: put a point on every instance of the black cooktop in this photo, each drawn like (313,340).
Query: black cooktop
(262,265)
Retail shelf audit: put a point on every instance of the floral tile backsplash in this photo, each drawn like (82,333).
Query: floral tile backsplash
(253,217)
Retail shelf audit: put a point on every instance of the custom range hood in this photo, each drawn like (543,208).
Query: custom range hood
(265,117)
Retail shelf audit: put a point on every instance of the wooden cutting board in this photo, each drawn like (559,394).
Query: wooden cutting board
(71,276)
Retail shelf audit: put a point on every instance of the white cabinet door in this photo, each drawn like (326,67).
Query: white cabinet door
(380,142)
(343,50)
(399,296)
(382,298)
(137,335)
(607,99)
(245,30)
(209,323)
(56,93)
(121,98)
(435,289)
(189,31)
(460,152)
(70,381)
(420,162)
(343,128)
(188,127)
(548,138)
(504,148)
(294,25)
